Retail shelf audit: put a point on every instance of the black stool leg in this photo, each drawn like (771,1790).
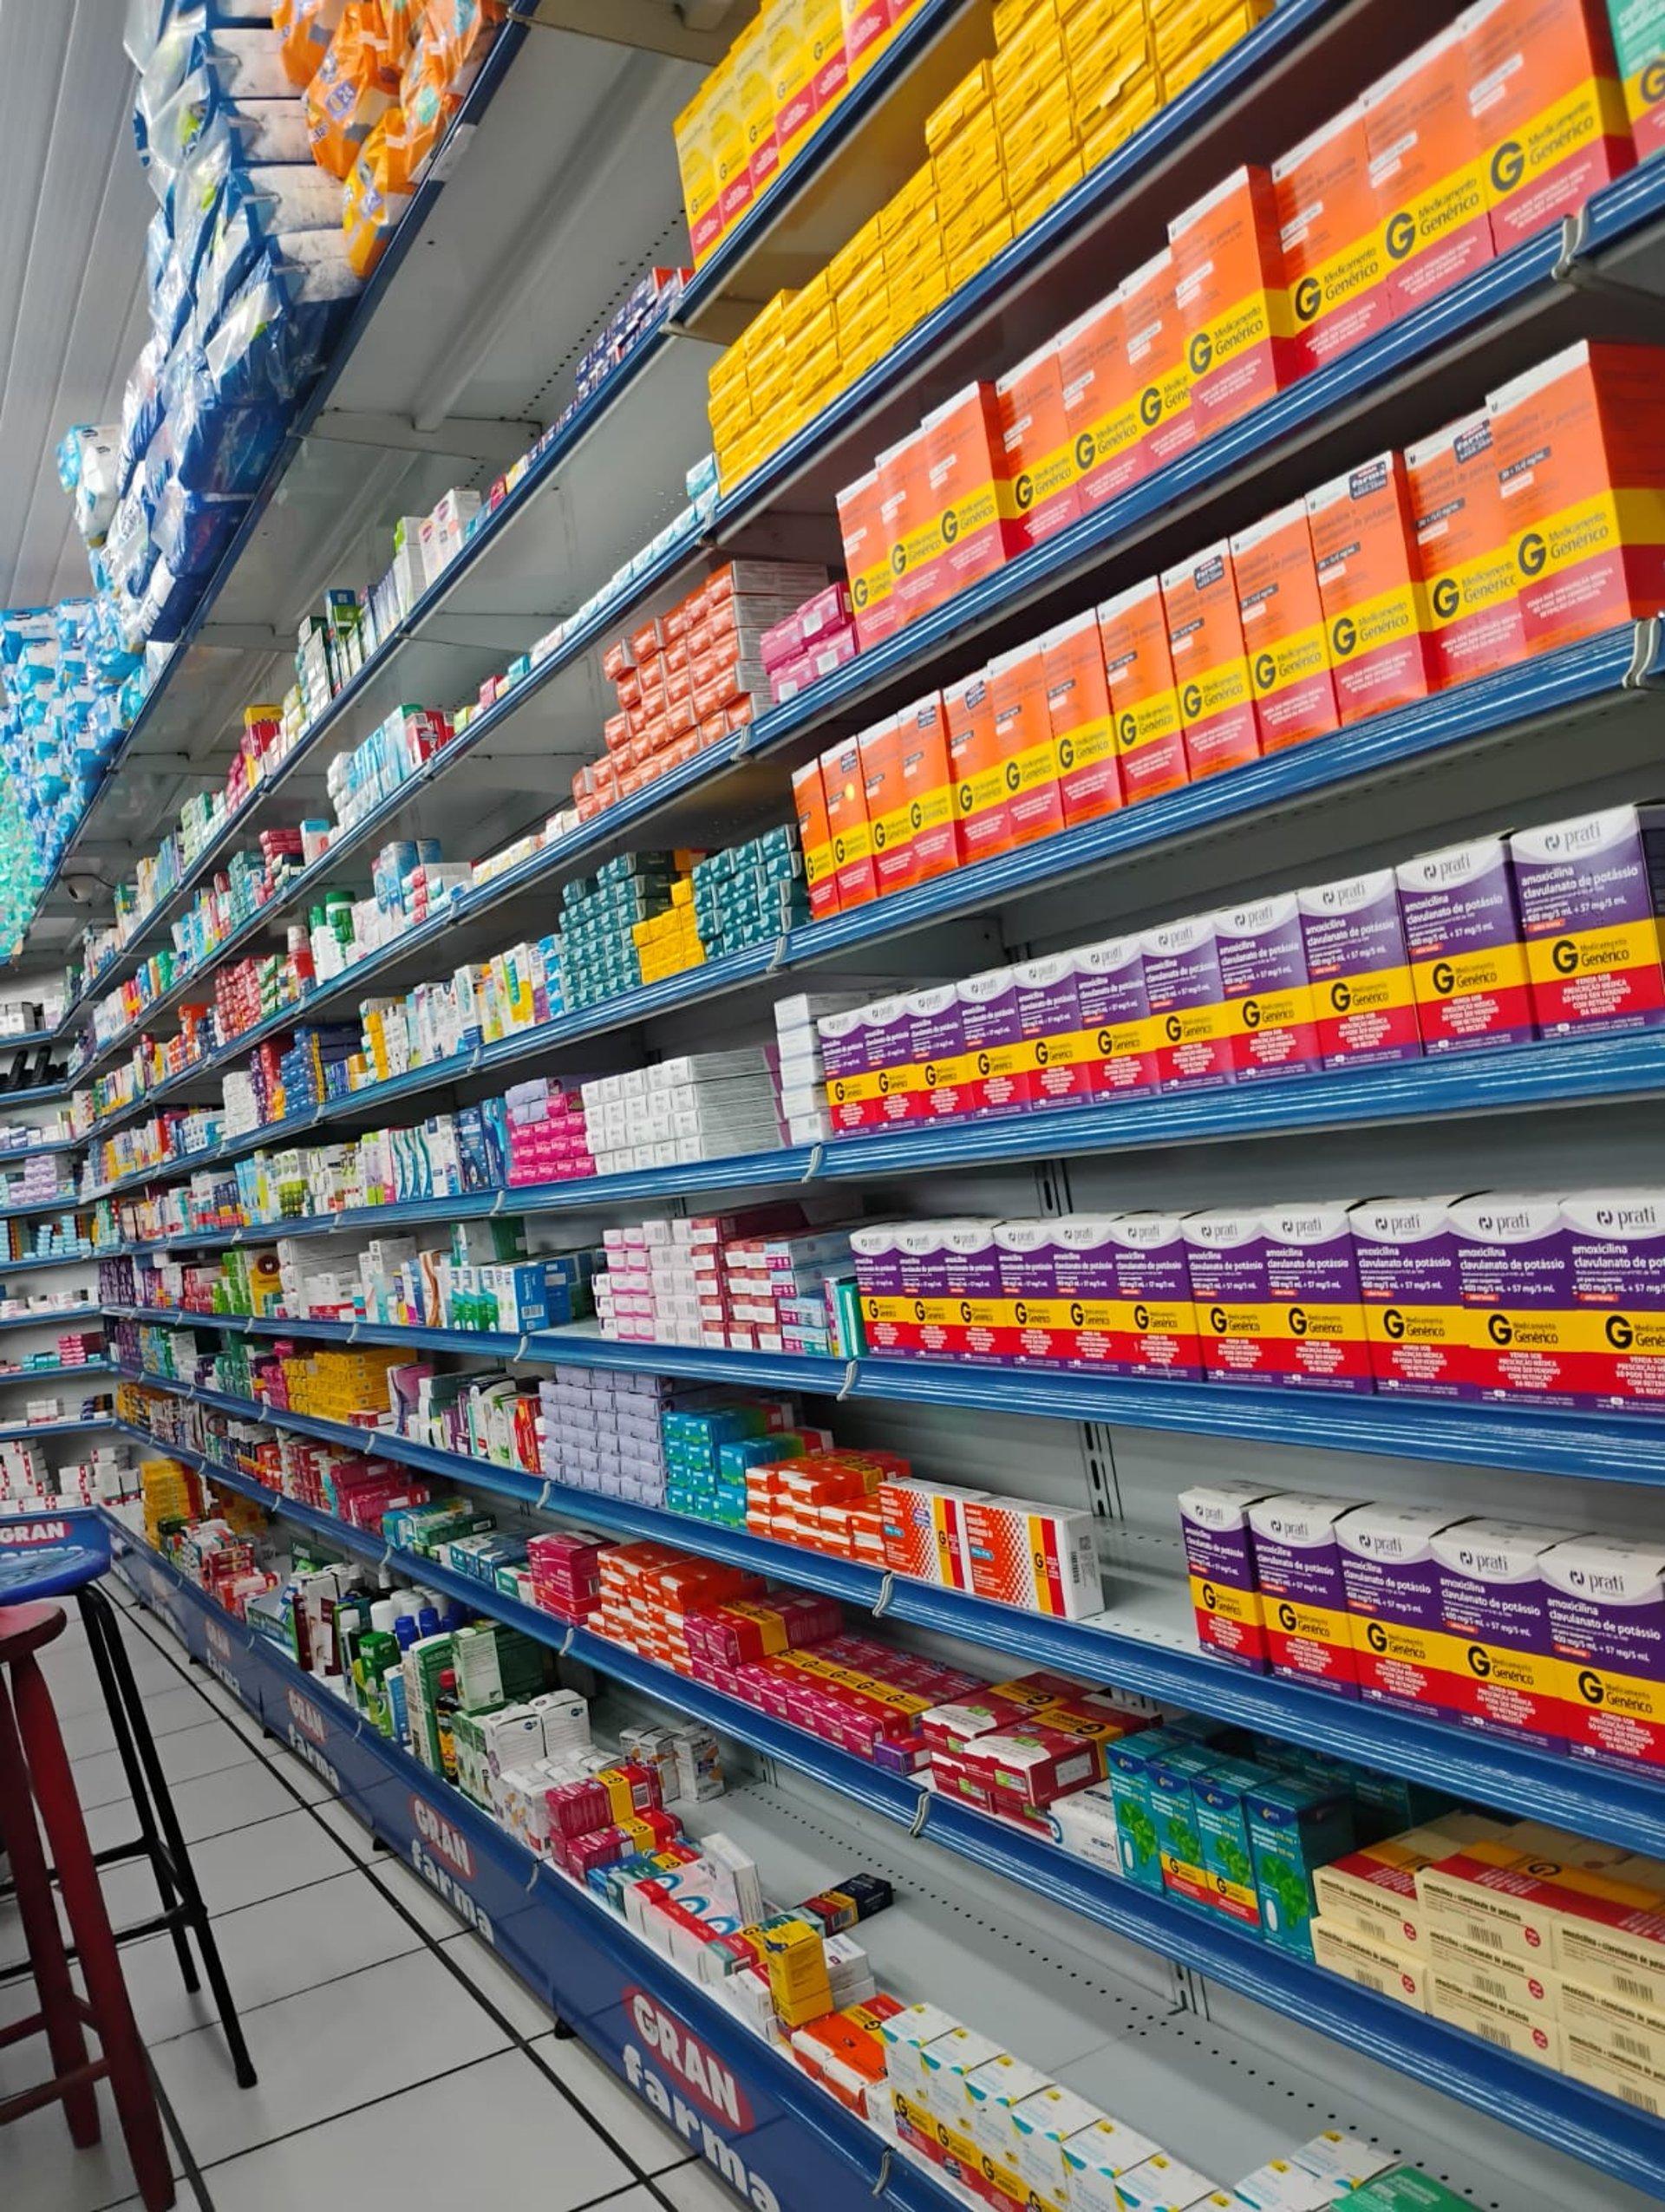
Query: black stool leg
(168,1855)
(100,1636)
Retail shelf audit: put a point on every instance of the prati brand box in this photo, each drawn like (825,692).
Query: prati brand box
(1411,1287)
(1229,288)
(1317,1315)
(1428,172)
(1335,259)
(1391,1580)
(1607,1622)
(1217,705)
(1500,1674)
(1242,1338)
(937,1048)
(1462,542)
(1263,981)
(1298,1562)
(1580,447)
(1591,892)
(1615,1248)
(1153,1327)
(853,1098)
(1638,28)
(1144,697)
(1079,714)
(1548,113)
(995,1079)
(1370,583)
(1059,1071)
(1189,1020)
(1468,965)
(1154,336)
(1220,1562)
(1117,1038)
(1284,635)
(1515,1267)
(1363,1004)
(1035,1328)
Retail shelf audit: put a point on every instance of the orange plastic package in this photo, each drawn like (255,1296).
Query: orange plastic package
(355,83)
(439,69)
(305,29)
(371,203)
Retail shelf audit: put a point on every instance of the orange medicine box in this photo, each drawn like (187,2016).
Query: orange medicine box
(1428,172)
(1283,631)
(974,758)
(1143,698)
(1581,471)
(847,820)
(1217,705)
(1548,113)
(1035,437)
(972,526)
(815,837)
(1462,545)
(1083,728)
(1017,683)
(1229,288)
(1375,605)
(927,788)
(1155,339)
(867,558)
(887,811)
(1334,261)
(911,534)
(1101,418)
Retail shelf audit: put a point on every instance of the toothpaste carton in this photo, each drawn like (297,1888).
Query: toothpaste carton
(1118,1039)
(1214,1526)
(1283,631)
(1428,172)
(1515,1267)
(1591,892)
(1082,722)
(1548,111)
(1468,965)
(1144,695)
(1606,1602)
(1638,28)
(1462,544)
(1391,1580)
(1304,1599)
(1217,706)
(1334,256)
(1363,1003)
(1615,1248)
(1189,1018)
(1154,333)
(1231,291)
(1581,465)
(1264,984)
(1370,582)
(1153,1332)
(1410,1286)
(1501,1674)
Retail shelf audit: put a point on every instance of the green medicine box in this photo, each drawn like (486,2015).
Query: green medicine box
(1404,2190)
(1173,1774)
(1223,1797)
(1129,1762)
(1294,1826)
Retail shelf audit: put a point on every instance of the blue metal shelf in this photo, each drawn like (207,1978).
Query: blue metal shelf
(1623,1806)
(56,1428)
(51,1260)
(1599,2130)
(51,1313)
(9,1377)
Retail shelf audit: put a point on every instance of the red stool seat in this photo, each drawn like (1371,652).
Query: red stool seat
(37,1793)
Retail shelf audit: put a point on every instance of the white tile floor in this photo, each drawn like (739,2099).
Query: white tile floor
(426,2075)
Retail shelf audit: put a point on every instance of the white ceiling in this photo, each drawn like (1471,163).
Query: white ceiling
(72,291)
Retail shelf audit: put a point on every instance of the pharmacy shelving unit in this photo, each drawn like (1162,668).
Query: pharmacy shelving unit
(560,181)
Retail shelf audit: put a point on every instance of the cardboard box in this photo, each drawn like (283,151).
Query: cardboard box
(1040,457)
(879,752)
(1081,719)
(1391,1581)
(1102,425)
(1206,643)
(1591,892)
(1294,1826)
(1304,1600)
(815,839)
(1411,1287)
(1514,1264)
(1283,629)
(867,558)
(1462,544)
(1606,1601)
(1220,1564)
(968,518)
(1156,367)
(1638,30)
(980,796)
(1580,447)
(1230,292)
(843,784)
(1191,1024)
(1378,1966)
(1616,1248)
(1548,110)
(1330,229)
(1144,696)
(1428,172)
(1370,582)
(1115,1011)
(927,785)
(1028,766)
(1462,931)
(1461,2002)
(1264,978)
(1363,1002)
(1494,1608)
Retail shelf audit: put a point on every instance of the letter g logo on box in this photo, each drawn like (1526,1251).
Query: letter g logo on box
(1530,554)
(1508,165)
(1446,598)
(1308,298)
(1400,235)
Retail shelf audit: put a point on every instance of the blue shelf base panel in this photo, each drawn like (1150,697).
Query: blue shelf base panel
(1597,2130)
(52,1313)
(1596,674)
(11,1376)
(56,1428)
(1621,1806)
(755,2118)
(1525,1438)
